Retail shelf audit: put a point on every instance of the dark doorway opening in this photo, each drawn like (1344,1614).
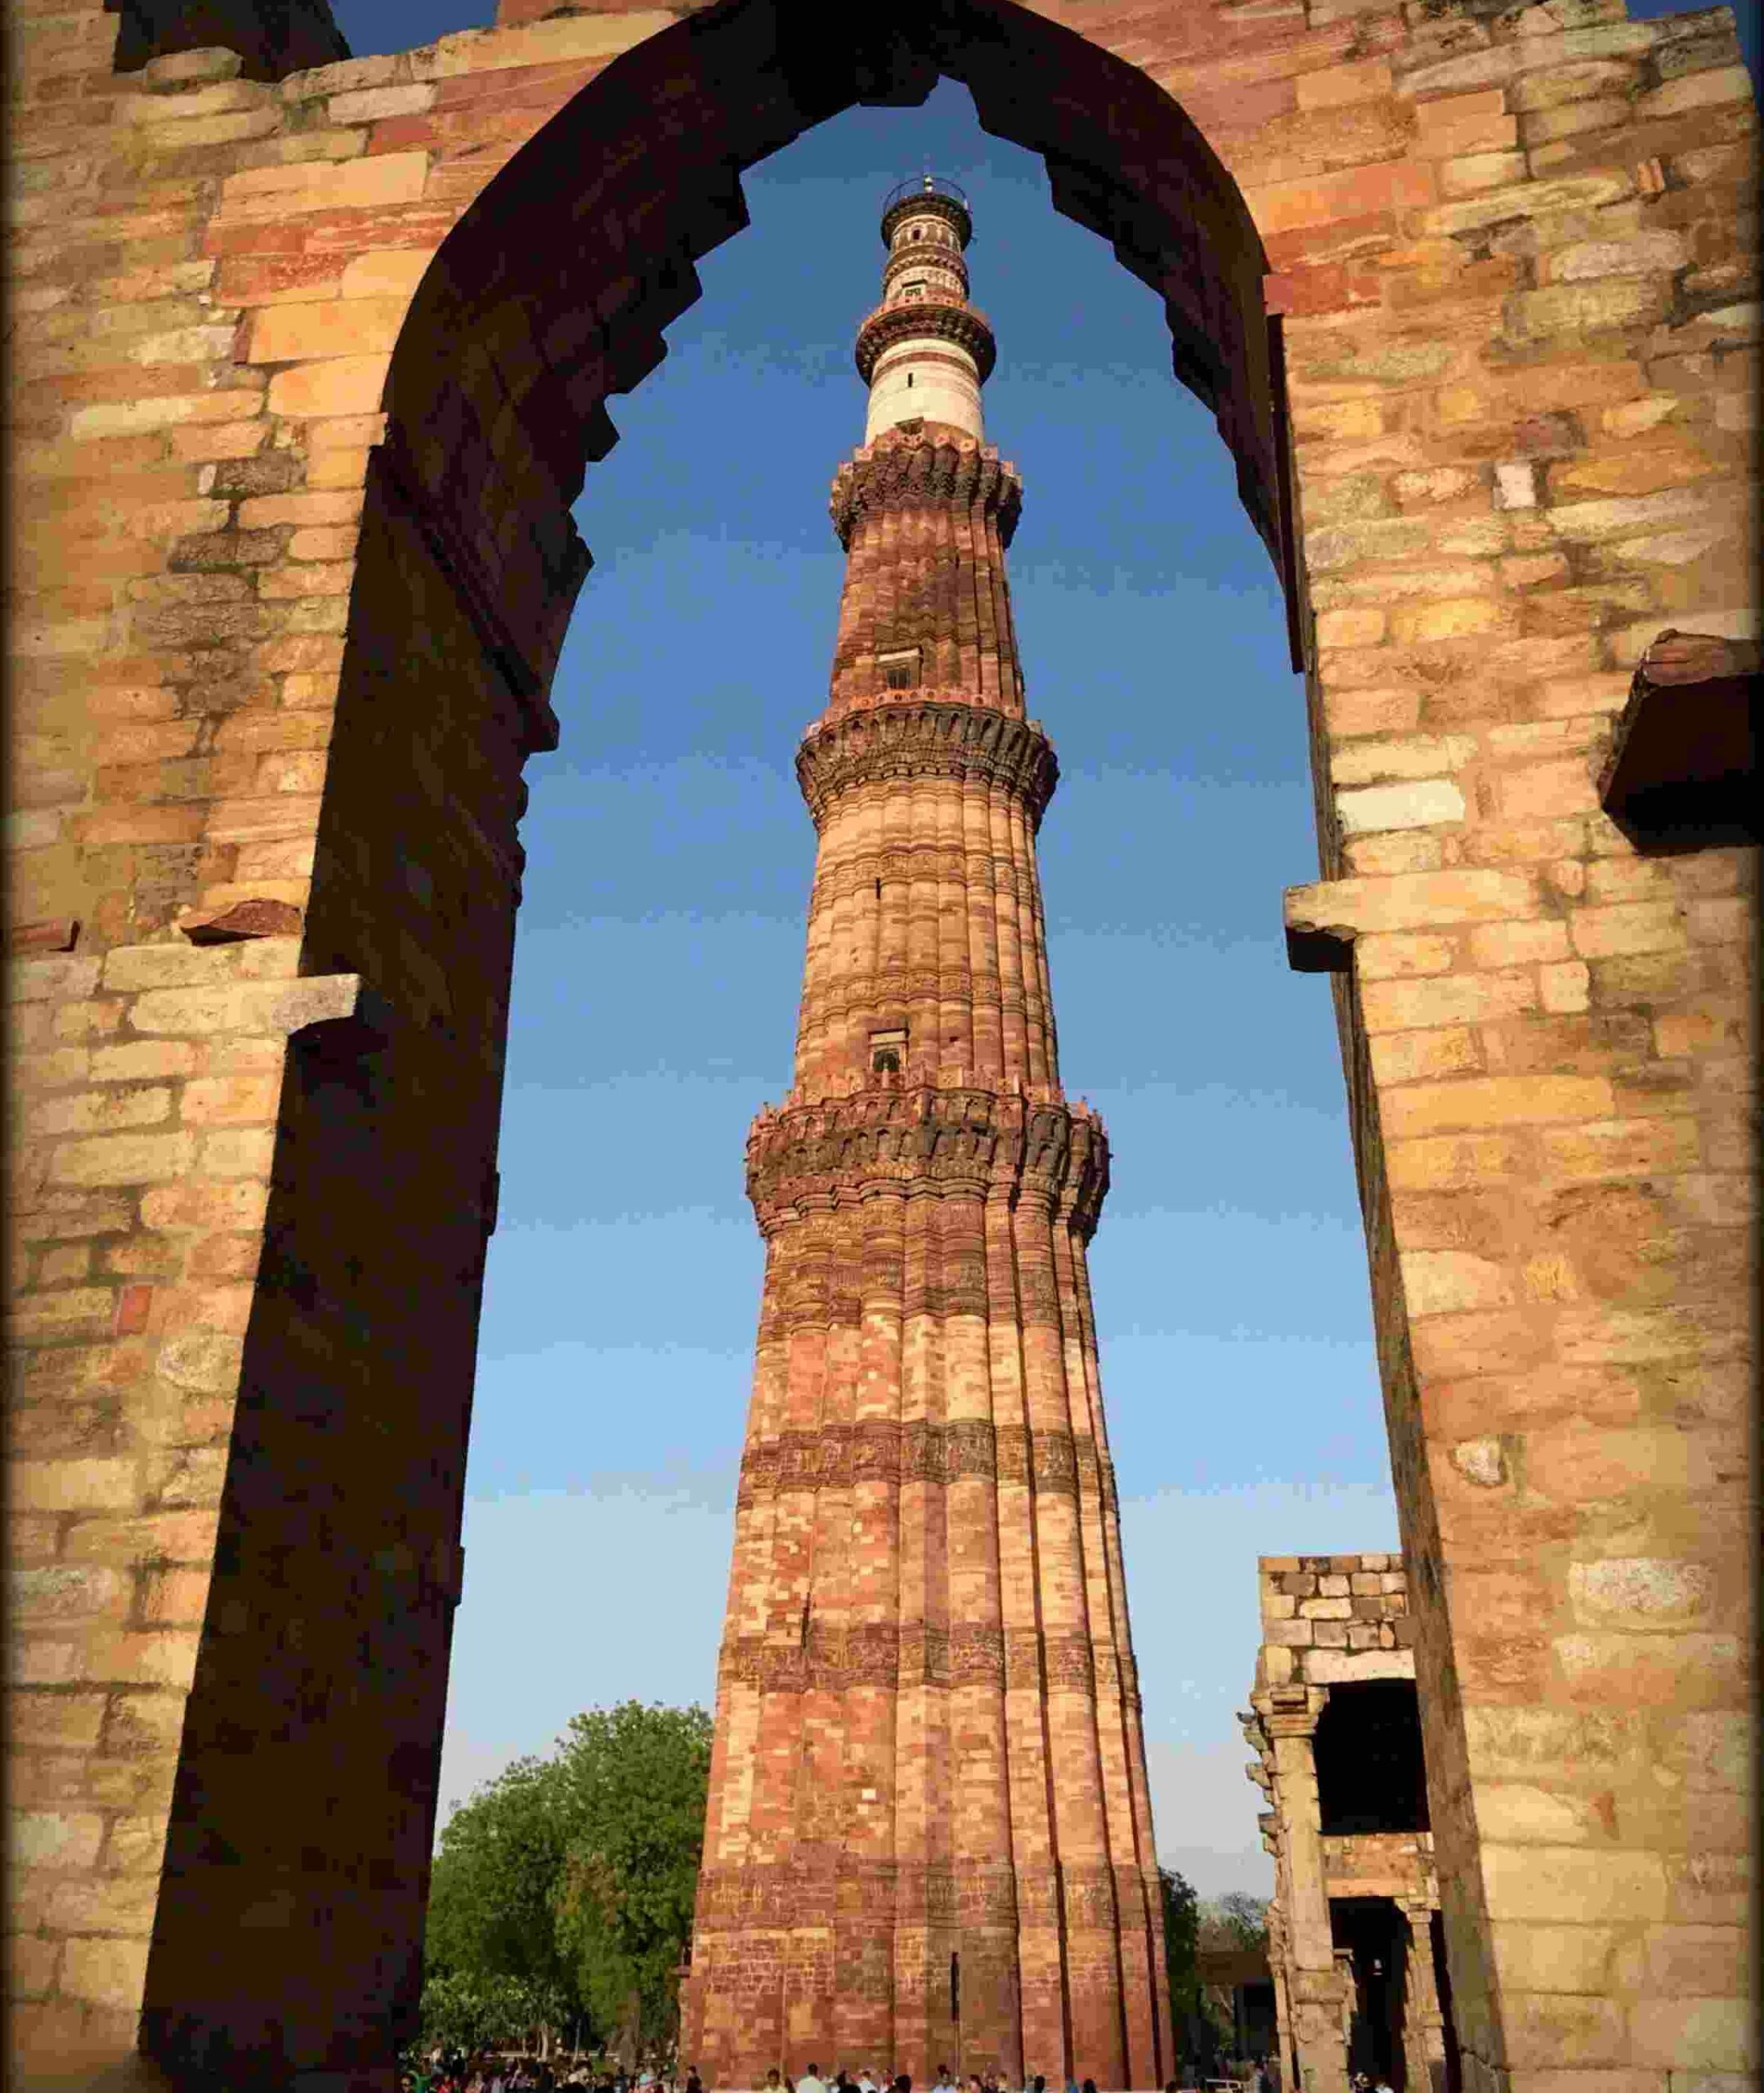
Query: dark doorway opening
(1370,1776)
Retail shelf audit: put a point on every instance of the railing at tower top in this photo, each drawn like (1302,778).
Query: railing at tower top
(926,184)
(917,186)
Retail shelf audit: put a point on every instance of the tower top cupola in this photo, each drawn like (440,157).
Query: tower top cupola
(925,351)
(922,196)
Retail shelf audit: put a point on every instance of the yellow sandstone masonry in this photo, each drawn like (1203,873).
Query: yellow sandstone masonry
(292,560)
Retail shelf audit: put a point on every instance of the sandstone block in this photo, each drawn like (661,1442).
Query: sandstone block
(230,1099)
(161,411)
(1698,1962)
(1494,1102)
(1456,617)
(1470,174)
(341,385)
(1571,1883)
(1410,1056)
(105,1971)
(73,1486)
(53,980)
(1422,804)
(257,1008)
(1546,2031)
(130,967)
(95,1111)
(1350,628)
(335,327)
(1436,1282)
(353,185)
(192,1204)
(122,1159)
(1398,955)
(1409,756)
(1706,89)
(263,512)
(1641,926)
(136,1060)
(238,1153)
(1518,1813)
(1591,521)
(1398,1006)
(557,41)
(1640,253)
(1527,199)
(1640,1592)
(1335,84)
(1555,1958)
(1518,944)
(1482,1461)
(1565,987)
(58,1839)
(370,104)
(1588,308)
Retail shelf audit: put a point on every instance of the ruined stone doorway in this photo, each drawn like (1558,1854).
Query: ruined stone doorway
(696,863)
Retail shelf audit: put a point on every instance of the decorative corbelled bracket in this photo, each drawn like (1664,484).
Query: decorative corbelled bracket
(926,737)
(911,466)
(935,1140)
(935,320)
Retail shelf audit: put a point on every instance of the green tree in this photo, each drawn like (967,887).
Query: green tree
(636,1779)
(1235,1920)
(495,1881)
(1182,1920)
(465,2011)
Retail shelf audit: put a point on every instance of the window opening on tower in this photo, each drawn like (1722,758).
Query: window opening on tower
(886,1048)
(900,669)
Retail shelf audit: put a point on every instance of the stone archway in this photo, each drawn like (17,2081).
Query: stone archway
(297,445)
(466,575)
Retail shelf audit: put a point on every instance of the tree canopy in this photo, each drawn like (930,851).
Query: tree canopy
(562,1891)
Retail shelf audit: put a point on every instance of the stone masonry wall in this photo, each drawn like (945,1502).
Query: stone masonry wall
(1324,1617)
(1512,259)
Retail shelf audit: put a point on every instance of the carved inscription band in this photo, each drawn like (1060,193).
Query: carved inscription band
(985,1144)
(789,1894)
(925,737)
(880,1653)
(838,1455)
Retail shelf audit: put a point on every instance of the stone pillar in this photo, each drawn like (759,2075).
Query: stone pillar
(1319,1994)
(1423,2017)
(1278,1950)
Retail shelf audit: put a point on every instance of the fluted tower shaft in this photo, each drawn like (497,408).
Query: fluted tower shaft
(929,1838)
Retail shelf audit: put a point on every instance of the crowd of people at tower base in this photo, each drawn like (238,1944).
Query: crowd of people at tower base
(455,2072)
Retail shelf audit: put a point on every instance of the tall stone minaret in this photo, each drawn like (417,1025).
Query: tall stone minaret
(929,1838)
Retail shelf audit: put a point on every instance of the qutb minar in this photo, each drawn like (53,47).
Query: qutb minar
(929,1838)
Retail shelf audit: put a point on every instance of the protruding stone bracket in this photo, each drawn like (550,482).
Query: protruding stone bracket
(1324,921)
(1319,951)
(340,1017)
(1682,774)
(256,917)
(219,39)
(1319,936)
(54,933)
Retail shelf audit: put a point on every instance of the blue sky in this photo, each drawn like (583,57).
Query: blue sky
(660,948)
